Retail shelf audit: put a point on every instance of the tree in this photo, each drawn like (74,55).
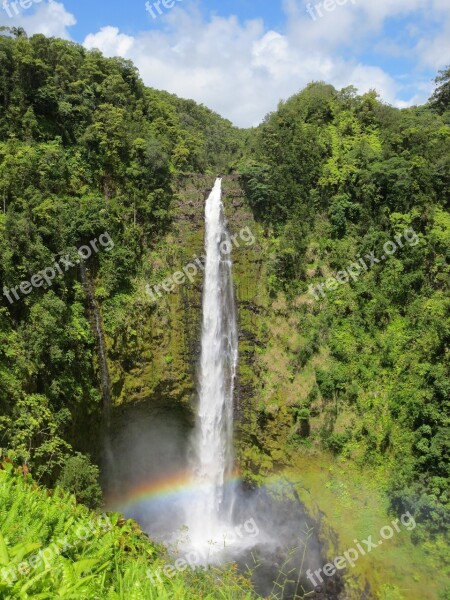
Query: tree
(440,100)
(33,436)
(80,478)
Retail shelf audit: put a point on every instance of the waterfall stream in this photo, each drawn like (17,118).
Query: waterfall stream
(212,441)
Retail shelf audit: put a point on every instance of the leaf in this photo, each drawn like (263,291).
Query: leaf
(21,550)
(84,565)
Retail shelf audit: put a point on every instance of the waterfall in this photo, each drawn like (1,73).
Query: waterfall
(212,459)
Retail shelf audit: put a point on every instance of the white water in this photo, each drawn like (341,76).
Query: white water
(212,460)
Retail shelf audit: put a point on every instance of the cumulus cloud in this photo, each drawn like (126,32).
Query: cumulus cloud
(50,18)
(242,70)
(433,48)
(110,41)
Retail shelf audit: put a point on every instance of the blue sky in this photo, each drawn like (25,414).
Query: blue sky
(130,17)
(240,57)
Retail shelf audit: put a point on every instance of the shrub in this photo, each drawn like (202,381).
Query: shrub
(80,478)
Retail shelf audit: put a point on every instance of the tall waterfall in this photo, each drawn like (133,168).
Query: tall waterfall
(213,436)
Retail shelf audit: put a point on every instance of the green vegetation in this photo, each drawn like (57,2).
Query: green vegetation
(334,177)
(359,376)
(85,149)
(80,478)
(51,547)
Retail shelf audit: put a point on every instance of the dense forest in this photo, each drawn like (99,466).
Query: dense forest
(351,199)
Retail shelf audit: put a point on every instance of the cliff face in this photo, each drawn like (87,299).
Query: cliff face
(155,352)
(153,355)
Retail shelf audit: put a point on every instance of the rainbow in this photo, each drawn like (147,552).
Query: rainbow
(180,484)
(164,489)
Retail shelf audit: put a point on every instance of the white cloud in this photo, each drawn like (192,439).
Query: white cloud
(239,69)
(434,50)
(51,19)
(110,41)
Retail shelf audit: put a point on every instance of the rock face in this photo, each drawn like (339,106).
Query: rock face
(155,354)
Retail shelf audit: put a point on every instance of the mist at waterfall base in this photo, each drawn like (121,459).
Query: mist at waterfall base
(176,477)
(150,482)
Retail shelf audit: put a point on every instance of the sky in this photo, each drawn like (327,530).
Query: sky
(241,57)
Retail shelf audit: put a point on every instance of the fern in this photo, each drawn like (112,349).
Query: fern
(109,564)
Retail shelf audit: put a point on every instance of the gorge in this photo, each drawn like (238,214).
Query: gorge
(234,407)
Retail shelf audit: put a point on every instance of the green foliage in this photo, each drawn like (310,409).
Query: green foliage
(441,97)
(341,211)
(50,547)
(33,435)
(80,478)
(256,179)
(85,149)
(336,442)
(389,592)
